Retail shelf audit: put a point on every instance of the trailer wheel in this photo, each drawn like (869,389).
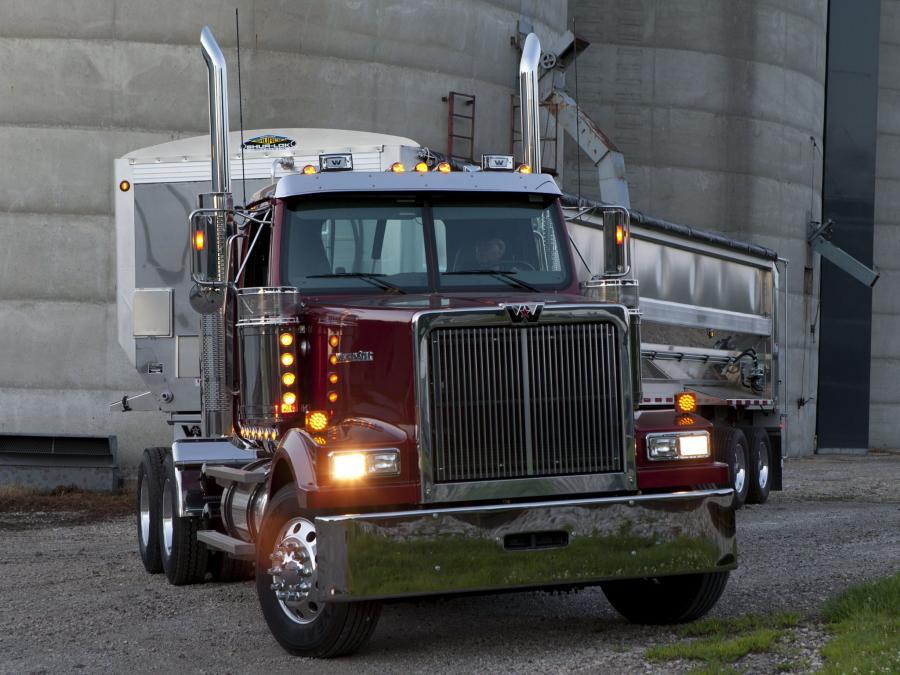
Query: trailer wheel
(183,557)
(149,488)
(731,448)
(286,572)
(665,600)
(226,569)
(760,465)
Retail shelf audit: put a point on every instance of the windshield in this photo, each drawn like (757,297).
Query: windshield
(403,244)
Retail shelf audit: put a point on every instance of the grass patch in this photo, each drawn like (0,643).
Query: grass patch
(717,650)
(723,627)
(865,621)
(91,505)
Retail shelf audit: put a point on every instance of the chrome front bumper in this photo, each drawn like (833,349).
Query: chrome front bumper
(483,548)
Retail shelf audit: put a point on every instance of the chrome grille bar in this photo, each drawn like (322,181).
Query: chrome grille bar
(516,402)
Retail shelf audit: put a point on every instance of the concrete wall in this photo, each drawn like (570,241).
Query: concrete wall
(87,81)
(884,411)
(713,104)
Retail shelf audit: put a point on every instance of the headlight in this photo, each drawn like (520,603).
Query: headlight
(356,464)
(678,445)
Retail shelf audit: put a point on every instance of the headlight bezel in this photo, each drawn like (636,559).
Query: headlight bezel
(667,446)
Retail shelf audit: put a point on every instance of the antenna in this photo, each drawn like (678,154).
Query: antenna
(237,34)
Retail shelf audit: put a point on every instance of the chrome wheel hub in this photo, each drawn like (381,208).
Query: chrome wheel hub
(293,570)
(167,518)
(740,470)
(144,514)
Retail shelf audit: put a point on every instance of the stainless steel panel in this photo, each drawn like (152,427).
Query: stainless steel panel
(527,409)
(679,314)
(187,349)
(152,312)
(462,549)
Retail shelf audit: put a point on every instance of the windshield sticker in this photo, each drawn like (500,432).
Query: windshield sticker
(269,142)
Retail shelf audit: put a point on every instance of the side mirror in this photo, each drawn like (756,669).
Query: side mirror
(616,241)
(209,229)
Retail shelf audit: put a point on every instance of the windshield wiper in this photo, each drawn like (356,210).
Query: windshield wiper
(374,279)
(504,275)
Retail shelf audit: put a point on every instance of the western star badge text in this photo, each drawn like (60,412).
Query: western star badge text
(354,357)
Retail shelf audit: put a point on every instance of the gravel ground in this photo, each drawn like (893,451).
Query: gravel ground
(75,597)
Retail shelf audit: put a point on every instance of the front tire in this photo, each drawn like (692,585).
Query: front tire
(303,627)
(149,489)
(183,557)
(666,600)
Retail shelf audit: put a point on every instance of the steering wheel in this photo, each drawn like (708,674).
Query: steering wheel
(514,265)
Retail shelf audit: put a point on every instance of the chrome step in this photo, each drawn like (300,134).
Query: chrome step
(222,542)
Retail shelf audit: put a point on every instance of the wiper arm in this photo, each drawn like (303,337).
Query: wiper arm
(374,279)
(504,275)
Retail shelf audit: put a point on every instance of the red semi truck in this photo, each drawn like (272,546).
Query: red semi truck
(386,381)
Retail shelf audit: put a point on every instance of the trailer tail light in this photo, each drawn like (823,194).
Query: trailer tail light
(316,420)
(686,402)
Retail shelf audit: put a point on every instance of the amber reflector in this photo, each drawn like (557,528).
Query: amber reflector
(685,402)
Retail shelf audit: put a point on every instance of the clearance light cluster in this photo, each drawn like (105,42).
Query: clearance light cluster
(678,445)
(258,434)
(421,167)
(686,402)
(354,465)
(288,378)
(523,168)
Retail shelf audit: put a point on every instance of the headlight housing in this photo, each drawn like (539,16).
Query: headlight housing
(349,465)
(678,445)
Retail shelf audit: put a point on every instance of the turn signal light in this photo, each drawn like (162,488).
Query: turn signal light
(287,359)
(199,240)
(686,402)
(316,420)
(444,167)
(422,167)
(309,169)
(524,168)
(398,167)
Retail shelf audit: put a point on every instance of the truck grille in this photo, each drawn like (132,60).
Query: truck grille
(517,402)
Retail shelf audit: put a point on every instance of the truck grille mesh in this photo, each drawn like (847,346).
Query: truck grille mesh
(516,402)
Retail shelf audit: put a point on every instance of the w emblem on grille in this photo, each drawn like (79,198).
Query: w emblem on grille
(524,313)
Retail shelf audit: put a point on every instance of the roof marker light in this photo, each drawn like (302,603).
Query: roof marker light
(444,167)
(524,168)
(309,169)
(398,167)
(422,167)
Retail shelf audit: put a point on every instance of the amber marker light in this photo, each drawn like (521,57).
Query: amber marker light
(289,397)
(199,240)
(287,359)
(332,397)
(333,359)
(398,167)
(316,420)
(124,186)
(309,169)
(333,340)
(524,168)
(444,167)
(422,167)
(288,379)
(286,339)
(620,235)
(332,378)
(685,402)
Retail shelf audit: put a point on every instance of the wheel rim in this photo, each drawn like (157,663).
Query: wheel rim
(293,571)
(144,513)
(762,466)
(167,518)
(740,469)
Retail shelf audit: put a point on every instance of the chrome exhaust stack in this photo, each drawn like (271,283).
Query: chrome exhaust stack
(210,259)
(530,102)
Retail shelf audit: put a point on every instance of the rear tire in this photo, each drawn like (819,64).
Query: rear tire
(321,630)
(183,557)
(666,600)
(760,466)
(732,448)
(149,489)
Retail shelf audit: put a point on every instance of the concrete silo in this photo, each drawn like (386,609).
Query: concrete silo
(713,105)
(90,81)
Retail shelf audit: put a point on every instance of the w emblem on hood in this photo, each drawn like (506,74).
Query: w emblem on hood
(524,313)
